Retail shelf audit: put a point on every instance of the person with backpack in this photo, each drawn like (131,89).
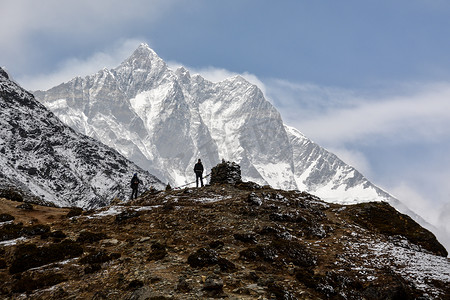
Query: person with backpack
(198,169)
(135,181)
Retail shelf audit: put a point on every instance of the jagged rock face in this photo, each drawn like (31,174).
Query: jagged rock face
(48,160)
(165,120)
(219,241)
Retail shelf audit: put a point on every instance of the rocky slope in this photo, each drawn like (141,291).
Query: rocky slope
(234,241)
(165,120)
(48,161)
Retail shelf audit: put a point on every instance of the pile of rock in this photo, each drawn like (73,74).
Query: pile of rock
(226,172)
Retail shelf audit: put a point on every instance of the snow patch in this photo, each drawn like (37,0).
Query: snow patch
(211,199)
(13,242)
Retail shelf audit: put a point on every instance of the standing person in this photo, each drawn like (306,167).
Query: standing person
(135,185)
(198,169)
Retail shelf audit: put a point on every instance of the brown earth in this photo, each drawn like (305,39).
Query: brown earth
(39,214)
(222,241)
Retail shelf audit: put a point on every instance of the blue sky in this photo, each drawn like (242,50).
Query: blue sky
(367,79)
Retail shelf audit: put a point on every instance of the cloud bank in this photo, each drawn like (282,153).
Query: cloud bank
(73,67)
(340,116)
(36,35)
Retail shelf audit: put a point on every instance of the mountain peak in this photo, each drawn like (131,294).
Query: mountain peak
(183,74)
(144,50)
(3,73)
(143,58)
(238,78)
(144,45)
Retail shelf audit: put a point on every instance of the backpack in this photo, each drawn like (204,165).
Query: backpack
(134,182)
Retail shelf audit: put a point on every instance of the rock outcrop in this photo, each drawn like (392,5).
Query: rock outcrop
(226,172)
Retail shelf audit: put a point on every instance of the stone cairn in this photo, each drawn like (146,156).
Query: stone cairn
(226,172)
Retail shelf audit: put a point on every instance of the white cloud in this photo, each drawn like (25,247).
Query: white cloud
(73,67)
(444,218)
(435,213)
(82,17)
(416,201)
(28,27)
(310,99)
(336,116)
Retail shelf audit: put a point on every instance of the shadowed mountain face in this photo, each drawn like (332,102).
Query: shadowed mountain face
(48,161)
(234,241)
(165,120)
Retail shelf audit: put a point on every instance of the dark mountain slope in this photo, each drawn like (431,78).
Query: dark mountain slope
(47,160)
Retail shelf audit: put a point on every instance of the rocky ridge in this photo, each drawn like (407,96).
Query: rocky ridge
(44,160)
(233,241)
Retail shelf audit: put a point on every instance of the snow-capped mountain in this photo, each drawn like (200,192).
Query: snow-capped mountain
(48,160)
(164,120)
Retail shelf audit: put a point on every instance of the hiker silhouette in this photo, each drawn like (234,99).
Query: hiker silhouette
(198,169)
(135,181)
